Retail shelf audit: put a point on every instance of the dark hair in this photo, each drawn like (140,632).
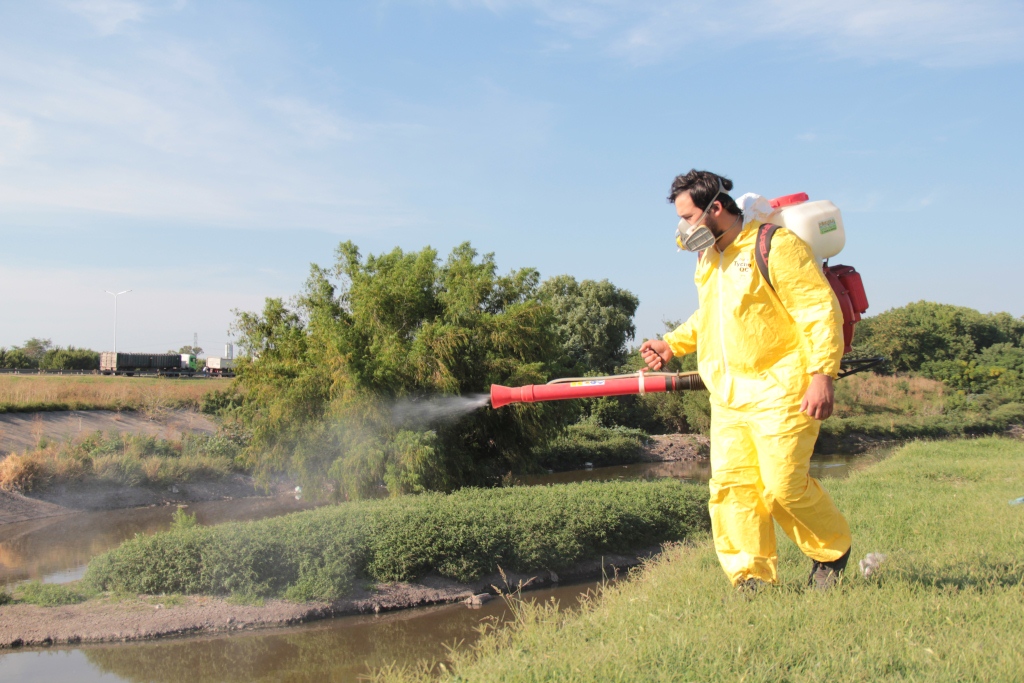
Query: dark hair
(702,186)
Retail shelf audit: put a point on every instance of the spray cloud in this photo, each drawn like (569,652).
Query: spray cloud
(424,411)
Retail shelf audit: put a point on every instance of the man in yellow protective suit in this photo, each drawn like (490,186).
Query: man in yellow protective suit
(768,355)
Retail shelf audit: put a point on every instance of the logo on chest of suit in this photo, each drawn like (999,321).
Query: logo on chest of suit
(742,264)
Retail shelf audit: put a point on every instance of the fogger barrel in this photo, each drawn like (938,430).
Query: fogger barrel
(619,385)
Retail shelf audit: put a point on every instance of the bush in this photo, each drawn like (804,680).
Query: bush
(48,594)
(70,359)
(320,377)
(590,442)
(219,401)
(321,553)
(925,331)
(16,359)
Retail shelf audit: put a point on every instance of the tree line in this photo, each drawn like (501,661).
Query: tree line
(41,354)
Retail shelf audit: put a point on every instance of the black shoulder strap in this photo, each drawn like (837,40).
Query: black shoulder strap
(763,247)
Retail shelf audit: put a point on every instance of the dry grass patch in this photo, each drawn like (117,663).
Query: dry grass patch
(868,393)
(28,393)
(127,459)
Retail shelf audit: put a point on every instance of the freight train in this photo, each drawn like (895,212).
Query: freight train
(160,364)
(164,365)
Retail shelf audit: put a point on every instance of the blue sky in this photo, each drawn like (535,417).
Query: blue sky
(203,154)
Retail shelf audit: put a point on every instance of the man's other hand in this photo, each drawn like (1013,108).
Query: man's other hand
(655,353)
(820,398)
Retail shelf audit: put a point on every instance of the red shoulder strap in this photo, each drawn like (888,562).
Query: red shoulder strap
(763,247)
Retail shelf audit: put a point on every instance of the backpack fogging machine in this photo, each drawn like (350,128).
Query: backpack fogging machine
(593,387)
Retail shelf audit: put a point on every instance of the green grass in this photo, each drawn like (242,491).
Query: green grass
(947,605)
(48,594)
(323,553)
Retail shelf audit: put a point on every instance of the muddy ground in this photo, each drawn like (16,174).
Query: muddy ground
(676,448)
(142,617)
(22,431)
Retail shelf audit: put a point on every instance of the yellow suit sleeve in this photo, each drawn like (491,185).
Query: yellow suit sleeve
(809,299)
(683,339)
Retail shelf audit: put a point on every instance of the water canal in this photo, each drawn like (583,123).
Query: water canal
(341,649)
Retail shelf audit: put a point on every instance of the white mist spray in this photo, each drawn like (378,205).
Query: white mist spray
(425,411)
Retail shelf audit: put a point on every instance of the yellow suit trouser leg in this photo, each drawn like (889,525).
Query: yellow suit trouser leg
(760,461)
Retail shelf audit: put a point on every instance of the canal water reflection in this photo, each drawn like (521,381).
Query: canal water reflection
(335,650)
(57,549)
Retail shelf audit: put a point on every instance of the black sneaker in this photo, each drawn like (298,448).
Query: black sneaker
(825,575)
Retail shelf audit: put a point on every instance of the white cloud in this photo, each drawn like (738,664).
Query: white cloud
(941,33)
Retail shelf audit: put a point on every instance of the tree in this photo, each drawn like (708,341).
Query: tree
(321,377)
(70,359)
(36,348)
(193,350)
(924,331)
(594,322)
(16,359)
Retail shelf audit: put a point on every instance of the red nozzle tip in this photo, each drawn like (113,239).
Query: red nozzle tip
(500,396)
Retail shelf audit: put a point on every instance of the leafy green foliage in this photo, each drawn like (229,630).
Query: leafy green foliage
(590,442)
(36,348)
(594,322)
(48,594)
(321,553)
(320,376)
(921,332)
(221,401)
(70,358)
(16,359)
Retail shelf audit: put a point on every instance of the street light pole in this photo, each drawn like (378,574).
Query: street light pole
(115,317)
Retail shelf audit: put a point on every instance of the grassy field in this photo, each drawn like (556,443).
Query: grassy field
(947,605)
(320,554)
(31,393)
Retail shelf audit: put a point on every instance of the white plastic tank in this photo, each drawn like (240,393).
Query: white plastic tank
(818,223)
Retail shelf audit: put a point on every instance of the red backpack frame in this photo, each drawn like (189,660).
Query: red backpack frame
(845,281)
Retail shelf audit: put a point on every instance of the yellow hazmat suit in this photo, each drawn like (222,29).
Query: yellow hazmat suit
(757,349)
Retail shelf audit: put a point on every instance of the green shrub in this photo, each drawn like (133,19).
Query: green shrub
(590,442)
(320,554)
(48,594)
(5,597)
(70,359)
(220,401)
(1008,414)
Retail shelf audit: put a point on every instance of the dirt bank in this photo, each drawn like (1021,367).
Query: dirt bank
(109,619)
(22,431)
(676,448)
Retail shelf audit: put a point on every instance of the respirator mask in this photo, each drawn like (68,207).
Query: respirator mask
(697,237)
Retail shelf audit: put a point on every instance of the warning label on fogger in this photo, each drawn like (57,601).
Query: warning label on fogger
(590,383)
(828,226)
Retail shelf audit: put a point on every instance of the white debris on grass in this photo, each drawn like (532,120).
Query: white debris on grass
(870,564)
